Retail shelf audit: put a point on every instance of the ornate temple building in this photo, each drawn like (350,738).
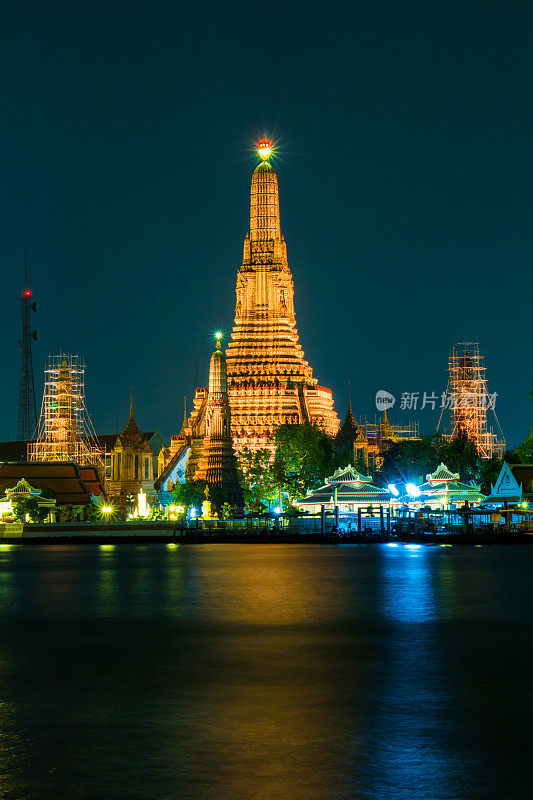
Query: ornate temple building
(367,442)
(203,449)
(131,463)
(217,464)
(269,380)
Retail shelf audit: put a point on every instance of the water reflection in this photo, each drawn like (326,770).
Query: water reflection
(413,703)
(283,672)
(407,589)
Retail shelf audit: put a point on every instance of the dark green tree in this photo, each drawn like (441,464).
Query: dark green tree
(189,493)
(71,513)
(461,455)
(489,471)
(411,460)
(256,478)
(304,458)
(192,493)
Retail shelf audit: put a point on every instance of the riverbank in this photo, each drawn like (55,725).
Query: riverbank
(169,532)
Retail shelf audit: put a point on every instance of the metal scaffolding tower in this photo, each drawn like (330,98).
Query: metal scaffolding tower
(468,399)
(65,431)
(27,411)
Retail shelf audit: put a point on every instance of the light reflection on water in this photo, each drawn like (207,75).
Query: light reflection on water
(287,672)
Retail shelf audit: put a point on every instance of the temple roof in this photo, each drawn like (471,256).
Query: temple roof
(169,466)
(131,436)
(65,478)
(351,493)
(442,473)
(386,431)
(351,486)
(349,475)
(349,431)
(23,487)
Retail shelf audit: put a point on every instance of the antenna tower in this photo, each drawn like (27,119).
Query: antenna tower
(27,411)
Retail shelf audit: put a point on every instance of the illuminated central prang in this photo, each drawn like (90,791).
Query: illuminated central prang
(269,381)
(264,148)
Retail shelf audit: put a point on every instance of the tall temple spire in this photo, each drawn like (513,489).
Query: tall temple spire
(265,223)
(217,464)
(264,350)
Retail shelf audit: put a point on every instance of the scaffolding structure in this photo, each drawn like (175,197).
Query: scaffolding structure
(468,400)
(65,431)
(379,431)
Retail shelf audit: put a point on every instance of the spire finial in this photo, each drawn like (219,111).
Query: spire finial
(185,411)
(219,335)
(131,401)
(264,148)
(349,399)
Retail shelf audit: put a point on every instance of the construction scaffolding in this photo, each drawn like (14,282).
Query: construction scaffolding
(65,431)
(383,431)
(468,400)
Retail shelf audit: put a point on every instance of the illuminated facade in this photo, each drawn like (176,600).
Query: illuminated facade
(348,490)
(65,431)
(444,489)
(203,449)
(131,465)
(468,399)
(269,381)
(367,442)
(217,464)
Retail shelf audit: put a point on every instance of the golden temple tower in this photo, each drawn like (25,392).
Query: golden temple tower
(217,464)
(269,381)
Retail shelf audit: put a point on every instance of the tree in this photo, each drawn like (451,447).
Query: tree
(410,460)
(523,454)
(156,513)
(489,471)
(256,478)
(190,493)
(461,455)
(71,513)
(20,509)
(304,458)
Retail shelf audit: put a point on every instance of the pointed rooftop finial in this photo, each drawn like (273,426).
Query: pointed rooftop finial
(131,401)
(185,411)
(264,148)
(349,399)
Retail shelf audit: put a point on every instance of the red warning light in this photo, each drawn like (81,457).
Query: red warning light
(27,293)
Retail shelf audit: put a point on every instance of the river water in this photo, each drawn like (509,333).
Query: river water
(265,672)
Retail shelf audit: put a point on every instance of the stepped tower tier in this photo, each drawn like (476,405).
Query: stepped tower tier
(217,464)
(269,380)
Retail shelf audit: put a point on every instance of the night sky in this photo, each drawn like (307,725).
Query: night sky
(405,175)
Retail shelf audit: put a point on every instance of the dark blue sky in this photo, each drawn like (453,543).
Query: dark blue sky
(405,182)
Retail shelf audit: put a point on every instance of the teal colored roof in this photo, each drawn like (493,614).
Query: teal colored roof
(442,473)
(349,475)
